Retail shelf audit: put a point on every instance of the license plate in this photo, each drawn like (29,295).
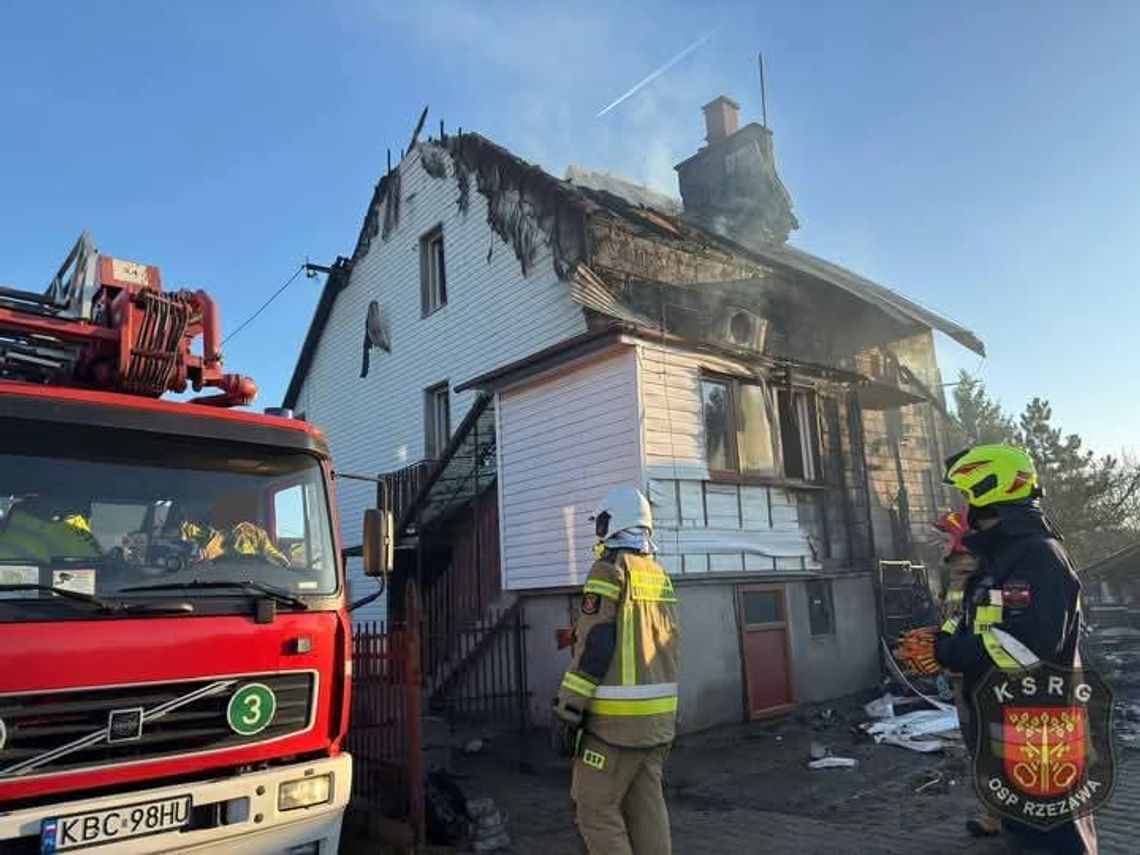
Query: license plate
(62,833)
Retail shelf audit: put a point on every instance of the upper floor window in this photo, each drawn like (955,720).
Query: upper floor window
(437,420)
(433,276)
(751,431)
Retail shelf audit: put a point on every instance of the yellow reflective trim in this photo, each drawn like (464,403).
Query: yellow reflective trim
(998,653)
(603,588)
(594,759)
(628,648)
(651,586)
(985,617)
(655,706)
(578,685)
(950,625)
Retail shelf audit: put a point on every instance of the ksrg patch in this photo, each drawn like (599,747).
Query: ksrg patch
(590,604)
(1045,749)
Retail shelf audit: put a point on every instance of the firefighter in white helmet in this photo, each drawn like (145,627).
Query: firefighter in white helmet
(617,705)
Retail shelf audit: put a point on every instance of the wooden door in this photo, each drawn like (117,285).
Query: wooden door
(765,649)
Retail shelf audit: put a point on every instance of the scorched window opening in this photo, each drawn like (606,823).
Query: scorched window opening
(754,431)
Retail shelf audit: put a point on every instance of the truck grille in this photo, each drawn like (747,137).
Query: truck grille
(46,733)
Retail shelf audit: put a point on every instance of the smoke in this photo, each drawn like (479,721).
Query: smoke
(530,77)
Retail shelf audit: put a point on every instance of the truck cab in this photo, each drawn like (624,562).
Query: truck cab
(176,647)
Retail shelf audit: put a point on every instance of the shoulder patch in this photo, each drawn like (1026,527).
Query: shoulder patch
(590,604)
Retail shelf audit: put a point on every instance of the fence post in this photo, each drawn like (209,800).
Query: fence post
(413,698)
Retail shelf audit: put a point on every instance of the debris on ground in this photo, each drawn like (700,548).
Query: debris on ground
(488,826)
(834,763)
(934,784)
(823,719)
(914,731)
(473,746)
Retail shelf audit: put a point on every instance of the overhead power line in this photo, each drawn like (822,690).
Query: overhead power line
(265,305)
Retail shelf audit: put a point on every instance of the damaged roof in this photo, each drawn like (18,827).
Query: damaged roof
(528,208)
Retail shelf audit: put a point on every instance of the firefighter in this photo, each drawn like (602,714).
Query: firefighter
(230,533)
(27,534)
(961,566)
(1021,605)
(617,705)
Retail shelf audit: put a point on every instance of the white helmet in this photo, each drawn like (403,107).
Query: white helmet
(621,509)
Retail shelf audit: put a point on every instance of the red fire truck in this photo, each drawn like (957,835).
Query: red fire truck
(175,646)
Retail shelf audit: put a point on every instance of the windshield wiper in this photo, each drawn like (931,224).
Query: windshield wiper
(74,596)
(248,586)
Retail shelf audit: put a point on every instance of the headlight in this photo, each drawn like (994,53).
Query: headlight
(304,792)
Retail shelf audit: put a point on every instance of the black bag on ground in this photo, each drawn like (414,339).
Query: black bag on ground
(446,809)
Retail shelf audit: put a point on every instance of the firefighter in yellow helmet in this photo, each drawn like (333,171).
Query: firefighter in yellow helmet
(617,705)
(1020,607)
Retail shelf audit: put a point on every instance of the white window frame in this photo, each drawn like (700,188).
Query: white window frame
(433,272)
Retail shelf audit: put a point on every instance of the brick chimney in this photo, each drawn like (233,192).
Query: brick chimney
(722,118)
(731,186)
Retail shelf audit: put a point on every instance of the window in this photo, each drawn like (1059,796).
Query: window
(761,607)
(750,431)
(797,433)
(433,278)
(821,610)
(128,509)
(437,420)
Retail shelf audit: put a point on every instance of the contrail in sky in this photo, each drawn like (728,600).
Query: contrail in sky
(654,75)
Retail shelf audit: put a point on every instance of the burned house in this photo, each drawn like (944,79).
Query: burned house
(504,346)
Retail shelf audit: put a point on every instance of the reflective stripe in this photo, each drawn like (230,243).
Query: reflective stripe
(985,617)
(654,706)
(1024,656)
(603,588)
(628,649)
(998,653)
(578,685)
(651,587)
(652,690)
(950,625)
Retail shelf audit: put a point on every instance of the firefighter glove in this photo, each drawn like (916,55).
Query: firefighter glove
(566,730)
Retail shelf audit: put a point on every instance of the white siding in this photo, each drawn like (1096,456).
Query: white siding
(702,526)
(563,441)
(493,316)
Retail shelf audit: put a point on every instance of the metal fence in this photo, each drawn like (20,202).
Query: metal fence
(385,732)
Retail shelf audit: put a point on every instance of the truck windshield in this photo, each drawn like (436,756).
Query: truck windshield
(98,512)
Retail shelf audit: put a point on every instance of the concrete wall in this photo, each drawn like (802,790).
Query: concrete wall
(712,673)
(830,666)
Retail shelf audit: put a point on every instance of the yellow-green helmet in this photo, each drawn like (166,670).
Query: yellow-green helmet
(989,474)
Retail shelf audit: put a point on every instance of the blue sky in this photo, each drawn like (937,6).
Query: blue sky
(981,158)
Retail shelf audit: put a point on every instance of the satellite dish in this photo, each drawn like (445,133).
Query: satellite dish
(376,328)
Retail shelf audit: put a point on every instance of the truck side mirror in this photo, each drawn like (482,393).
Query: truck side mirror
(379,546)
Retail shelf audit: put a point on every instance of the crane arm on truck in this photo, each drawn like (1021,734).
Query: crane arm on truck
(105,323)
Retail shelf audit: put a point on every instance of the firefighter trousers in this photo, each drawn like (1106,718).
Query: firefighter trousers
(619,806)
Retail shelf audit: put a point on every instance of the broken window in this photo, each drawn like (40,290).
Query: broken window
(821,609)
(752,432)
(757,444)
(433,278)
(716,397)
(797,433)
(437,420)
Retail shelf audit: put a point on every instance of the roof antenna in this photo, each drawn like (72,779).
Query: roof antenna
(763,94)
